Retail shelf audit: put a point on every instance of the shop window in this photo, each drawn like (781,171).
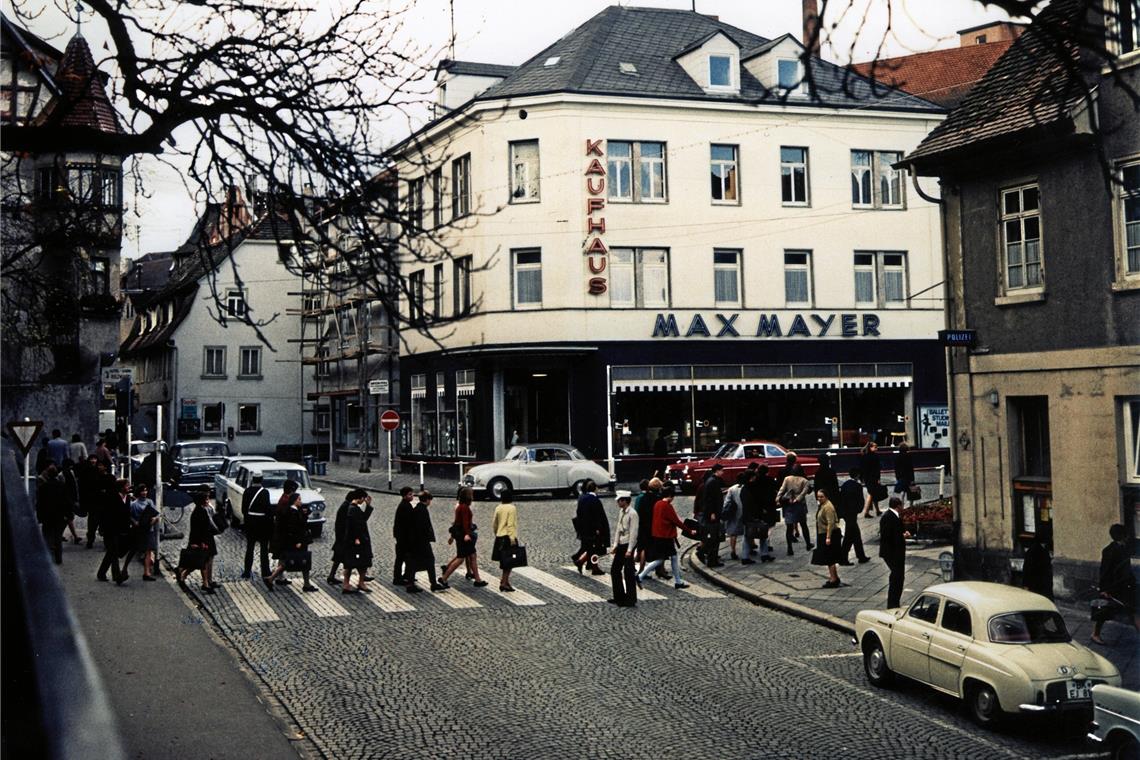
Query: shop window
(1021,238)
(1127,212)
(249,418)
(419,397)
(875,183)
(416,204)
(880,279)
(1031,466)
(352,416)
(648,158)
(639,278)
(794,176)
(461,187)
(213,417)
(437,292)
(464,398)
(797,278)
(726,278)
(524,171)
(235,303)
(723,167)
(214,362)
(527,277)
(461,276)
(250,366)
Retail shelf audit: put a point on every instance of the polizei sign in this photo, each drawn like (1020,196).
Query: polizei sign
(767,325)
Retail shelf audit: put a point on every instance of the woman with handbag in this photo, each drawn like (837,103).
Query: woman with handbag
(356,546)
(792,497)
(872,470)
(505,525)
(828,539)
(904,474)
(201,545)
(463,535)
(290,537)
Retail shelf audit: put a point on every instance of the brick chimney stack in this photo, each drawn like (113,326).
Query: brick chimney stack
(811,26)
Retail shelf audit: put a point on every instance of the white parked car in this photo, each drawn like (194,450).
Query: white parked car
(1116,721)
(274,475)
(1003,650)
(225,475)
(533,467)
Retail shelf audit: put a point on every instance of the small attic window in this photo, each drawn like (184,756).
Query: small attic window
(553,60)
(627,68)
(790,73)
(720,71)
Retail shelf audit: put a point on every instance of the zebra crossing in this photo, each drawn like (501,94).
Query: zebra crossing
(533,588)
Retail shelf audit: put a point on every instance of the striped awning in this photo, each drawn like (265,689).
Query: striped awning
(419,392)
(760,384)
(465,389)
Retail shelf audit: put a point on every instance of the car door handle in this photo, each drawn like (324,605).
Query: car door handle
(926,635)
(960,647)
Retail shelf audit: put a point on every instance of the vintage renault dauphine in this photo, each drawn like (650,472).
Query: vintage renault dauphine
(1003,650)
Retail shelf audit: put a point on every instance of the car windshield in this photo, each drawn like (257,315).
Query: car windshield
(277,478)
(727,451)
(1036,627)
(190,450)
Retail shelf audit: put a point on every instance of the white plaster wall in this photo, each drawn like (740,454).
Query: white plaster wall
(688,223)
(270,291)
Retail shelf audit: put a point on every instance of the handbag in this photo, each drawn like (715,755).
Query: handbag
(192,558)
(878,491)
(914,493)
(514,555)
(755,529)
(298,560)
(219,522)
(497,547)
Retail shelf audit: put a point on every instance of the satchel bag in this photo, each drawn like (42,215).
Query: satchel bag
(755,530)
(192,558)
(298,560)
(514,555)
(914,493)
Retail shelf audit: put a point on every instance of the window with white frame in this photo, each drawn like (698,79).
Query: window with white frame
(1122,26)
(875,183)
(213,417)
(437,197)
(214,361)
(1128,219)
(794,176)
(797,278)
(249,418)
(789,73)
(416,203)
(235,303)
(322,419)
(649,184)
(639,278)
(418,384)
(437,292)
(724,167)
(720,72)
(1021,237)
(880,279)
(464,394)
(416,296)
(461,276)
(726,277)
(527,275)
(1130,413)
(461,187)
(250,362)
(524,171)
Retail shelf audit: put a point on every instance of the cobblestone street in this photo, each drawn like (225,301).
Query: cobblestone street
(553,671)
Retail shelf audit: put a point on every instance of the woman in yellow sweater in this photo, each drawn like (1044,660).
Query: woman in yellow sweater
(829,539)
(505,525)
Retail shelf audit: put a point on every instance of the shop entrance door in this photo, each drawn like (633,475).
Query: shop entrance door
(536,407)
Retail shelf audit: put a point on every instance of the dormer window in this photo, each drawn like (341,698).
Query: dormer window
(720,71)
(789,73)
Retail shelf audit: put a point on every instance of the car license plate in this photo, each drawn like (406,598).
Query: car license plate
(1079,690)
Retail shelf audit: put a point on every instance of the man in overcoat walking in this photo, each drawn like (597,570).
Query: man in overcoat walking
(892,549)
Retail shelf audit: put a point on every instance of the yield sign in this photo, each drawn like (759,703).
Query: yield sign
(24,433)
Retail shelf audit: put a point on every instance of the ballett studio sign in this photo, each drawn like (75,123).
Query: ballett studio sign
(595,249)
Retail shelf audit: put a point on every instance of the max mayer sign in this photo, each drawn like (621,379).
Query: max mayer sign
(738,325)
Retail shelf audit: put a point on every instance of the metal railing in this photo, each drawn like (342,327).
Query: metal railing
(58,707)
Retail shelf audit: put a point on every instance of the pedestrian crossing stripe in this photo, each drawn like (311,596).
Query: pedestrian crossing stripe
(457,600)
(557,585)
(252,606)
(319,602)
(388,600)
(518,597)
(643,593)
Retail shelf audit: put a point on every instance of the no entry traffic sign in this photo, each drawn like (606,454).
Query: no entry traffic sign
(389,420)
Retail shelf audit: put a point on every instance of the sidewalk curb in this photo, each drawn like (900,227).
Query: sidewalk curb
(346,484)
(769,600)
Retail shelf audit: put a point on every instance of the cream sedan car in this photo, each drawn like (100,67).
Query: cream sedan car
(1002,649)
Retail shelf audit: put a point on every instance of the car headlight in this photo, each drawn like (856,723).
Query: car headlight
(468,480)
(317,506)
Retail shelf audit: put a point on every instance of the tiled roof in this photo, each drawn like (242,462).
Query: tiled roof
(82,101)
(651,38)
(472,68)
(940,76)
(1034,85)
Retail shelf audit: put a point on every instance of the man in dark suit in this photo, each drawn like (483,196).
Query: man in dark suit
(892,548)
(257,520)
(403,530)
(850,505)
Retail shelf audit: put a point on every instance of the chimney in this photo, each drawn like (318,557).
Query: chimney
(811,27)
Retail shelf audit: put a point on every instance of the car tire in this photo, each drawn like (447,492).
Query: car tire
(316,530)
(879,674)
(578,488)
(496,488)
(1126,748)
(982,702)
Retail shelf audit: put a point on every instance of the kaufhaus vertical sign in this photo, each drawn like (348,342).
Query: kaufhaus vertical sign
(595,247)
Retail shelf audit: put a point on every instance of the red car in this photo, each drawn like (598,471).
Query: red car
(735,457)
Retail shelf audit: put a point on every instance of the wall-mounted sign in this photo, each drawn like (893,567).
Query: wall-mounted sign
(378,387)
(934,427)
(112,375)
(595,249)
(189,408)
(958,337)
(767,325)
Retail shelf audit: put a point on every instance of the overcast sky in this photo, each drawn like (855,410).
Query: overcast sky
(511,31)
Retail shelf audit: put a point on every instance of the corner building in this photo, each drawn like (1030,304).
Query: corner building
(659,233)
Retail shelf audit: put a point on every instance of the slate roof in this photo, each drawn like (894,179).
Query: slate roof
(651,38)
(944,77)
(1033,86)
(471,68)
(83,101)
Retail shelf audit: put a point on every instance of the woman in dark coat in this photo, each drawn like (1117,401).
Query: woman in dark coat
(202,531)
(826,479)
(356,546)
(338,536)
(593,529)
(421,535)
(904,472)
(290,533)
(872,470)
